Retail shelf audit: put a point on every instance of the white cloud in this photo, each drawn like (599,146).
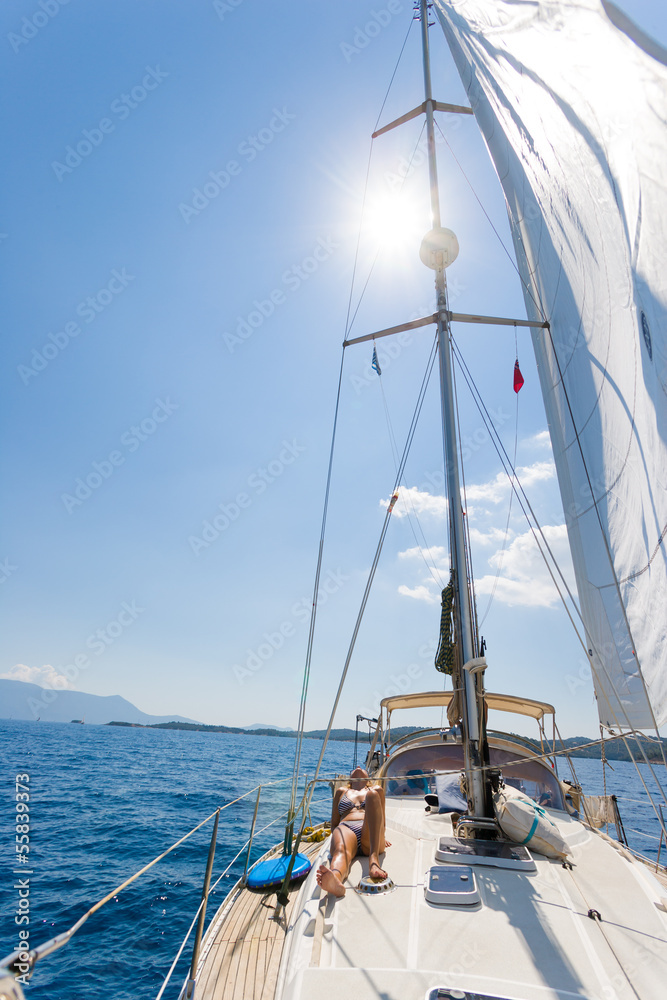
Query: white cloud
(540,440)
(494,536)
(46,676)
(496,489)
(433,561)
(420,593)
(435,554)
(524,578)
(537,473)
(516,575)
(412,500)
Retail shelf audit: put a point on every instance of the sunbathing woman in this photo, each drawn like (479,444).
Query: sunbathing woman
(357,827)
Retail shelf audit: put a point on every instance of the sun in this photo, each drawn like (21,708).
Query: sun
(395,221)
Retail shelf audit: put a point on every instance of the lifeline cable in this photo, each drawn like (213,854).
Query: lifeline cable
(53,944)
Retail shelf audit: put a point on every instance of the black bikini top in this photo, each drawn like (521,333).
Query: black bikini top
(345,805)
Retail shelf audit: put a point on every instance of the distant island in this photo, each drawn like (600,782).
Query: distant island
(21,700)
(577,746)
(30,702)
(199,727)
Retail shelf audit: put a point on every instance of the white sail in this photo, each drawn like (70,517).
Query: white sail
(572,102)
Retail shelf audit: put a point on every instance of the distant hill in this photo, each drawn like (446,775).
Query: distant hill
(263,725)
(20,700)
(578,746)
(200,727)
(616,749)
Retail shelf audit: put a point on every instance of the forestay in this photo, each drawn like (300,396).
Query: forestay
(572,99)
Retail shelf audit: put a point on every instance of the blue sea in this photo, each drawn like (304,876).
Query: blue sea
(104,801)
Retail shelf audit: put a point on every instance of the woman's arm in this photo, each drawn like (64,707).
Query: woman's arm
(335,815)
(380,791)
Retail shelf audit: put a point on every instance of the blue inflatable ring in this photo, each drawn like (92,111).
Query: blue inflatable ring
(271,874)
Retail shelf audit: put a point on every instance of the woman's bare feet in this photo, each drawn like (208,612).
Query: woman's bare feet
(375,872)
(330,881)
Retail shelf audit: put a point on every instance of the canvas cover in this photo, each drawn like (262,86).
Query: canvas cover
(571,99)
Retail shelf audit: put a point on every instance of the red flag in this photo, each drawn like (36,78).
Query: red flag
(518,377)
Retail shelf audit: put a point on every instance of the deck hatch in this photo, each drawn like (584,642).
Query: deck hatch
(455,886)
(498,853)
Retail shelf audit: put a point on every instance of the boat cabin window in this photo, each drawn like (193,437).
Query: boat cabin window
(412,772)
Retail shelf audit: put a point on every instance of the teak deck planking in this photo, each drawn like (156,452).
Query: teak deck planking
(243,960)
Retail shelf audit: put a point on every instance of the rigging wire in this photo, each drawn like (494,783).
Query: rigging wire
(466,526)
(348,321)
(510,257)
(535,529)
(425,549)
(282,894)
(371,575)
(541,311)
(507,523)
(398,61)
(521,496)
(610,559)
(390,428)
(313,614)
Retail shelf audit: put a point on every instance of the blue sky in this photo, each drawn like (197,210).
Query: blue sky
(182,201)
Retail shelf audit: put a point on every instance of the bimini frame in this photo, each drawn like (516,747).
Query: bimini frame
(429,699)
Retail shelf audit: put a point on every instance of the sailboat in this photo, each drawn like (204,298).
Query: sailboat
(501,884)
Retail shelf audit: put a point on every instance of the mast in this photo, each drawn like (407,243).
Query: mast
(438,250)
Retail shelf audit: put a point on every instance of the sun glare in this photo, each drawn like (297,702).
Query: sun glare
(395,222)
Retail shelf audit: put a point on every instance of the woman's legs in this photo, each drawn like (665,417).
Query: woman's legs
(372,834)
(343,850)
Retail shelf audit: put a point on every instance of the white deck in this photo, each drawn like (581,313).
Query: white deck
(530,938)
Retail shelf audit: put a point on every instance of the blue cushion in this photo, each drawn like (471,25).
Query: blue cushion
(417,780)
(271,874)
(450,796)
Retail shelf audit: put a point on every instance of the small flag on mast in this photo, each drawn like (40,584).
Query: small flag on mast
(518,377)
(375,364)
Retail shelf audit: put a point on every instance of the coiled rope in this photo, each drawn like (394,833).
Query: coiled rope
(444,658)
